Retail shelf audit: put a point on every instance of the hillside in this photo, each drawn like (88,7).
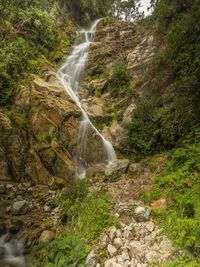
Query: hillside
(72,99)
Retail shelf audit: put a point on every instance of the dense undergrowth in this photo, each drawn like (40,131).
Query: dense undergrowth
(170,107)
(85,215)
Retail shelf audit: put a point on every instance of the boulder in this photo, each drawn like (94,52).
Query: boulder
(118,167)
(19,207)
(46,236)
(92,259)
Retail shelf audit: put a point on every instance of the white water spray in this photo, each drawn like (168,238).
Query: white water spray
(70,75)
(13,252)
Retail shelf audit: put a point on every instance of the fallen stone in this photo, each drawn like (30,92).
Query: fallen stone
(141,214)
(112,250)
(112,232)
(150,226)
(47,208)
(9,186)
(46,236)
(110,263)
(19,208)
(118,243)
(152,256)
(92,259)
(104,241)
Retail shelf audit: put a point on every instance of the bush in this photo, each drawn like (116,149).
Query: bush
(120,79)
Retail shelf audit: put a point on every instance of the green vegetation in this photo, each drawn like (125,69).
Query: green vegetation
(179,183)
(85,215)
(30,38)
(170,108)
(120,79)
(66,251)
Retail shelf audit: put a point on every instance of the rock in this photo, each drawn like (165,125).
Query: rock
(9,186)
(112,250)
(125,255)
(159,204)
(112,263)
(104,241)
(112,232)
(47,208)
(118,243)
(166,244)
(135,168)
(118,167)
(46,236)
(141,214)
(150,226)
(2,189)
(152,256)
(19,208)
(57,183)
(127,116)
(92,259)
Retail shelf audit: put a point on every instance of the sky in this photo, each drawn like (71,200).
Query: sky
(144,5)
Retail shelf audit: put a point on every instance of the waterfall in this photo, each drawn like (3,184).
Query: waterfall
(13,252)
(70,74)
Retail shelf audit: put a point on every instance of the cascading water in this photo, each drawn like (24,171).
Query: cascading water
(13,252)
(70,75)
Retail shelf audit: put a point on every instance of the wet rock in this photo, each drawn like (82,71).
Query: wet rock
(117,167)
(112,250)
(46,236)
(141,214)
(2,189)
(92,259)
(19,208)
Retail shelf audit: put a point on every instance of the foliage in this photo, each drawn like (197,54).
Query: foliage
(120,78)
(88,213)
(170,108)
(179,183)
(29,37)
(68,251)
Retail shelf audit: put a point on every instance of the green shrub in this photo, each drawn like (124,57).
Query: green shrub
(66,251)
(120,78)
(89,214)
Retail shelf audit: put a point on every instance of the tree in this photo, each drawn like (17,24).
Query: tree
(126,9)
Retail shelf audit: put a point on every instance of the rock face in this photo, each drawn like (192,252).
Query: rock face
(40,135)
(117,167)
